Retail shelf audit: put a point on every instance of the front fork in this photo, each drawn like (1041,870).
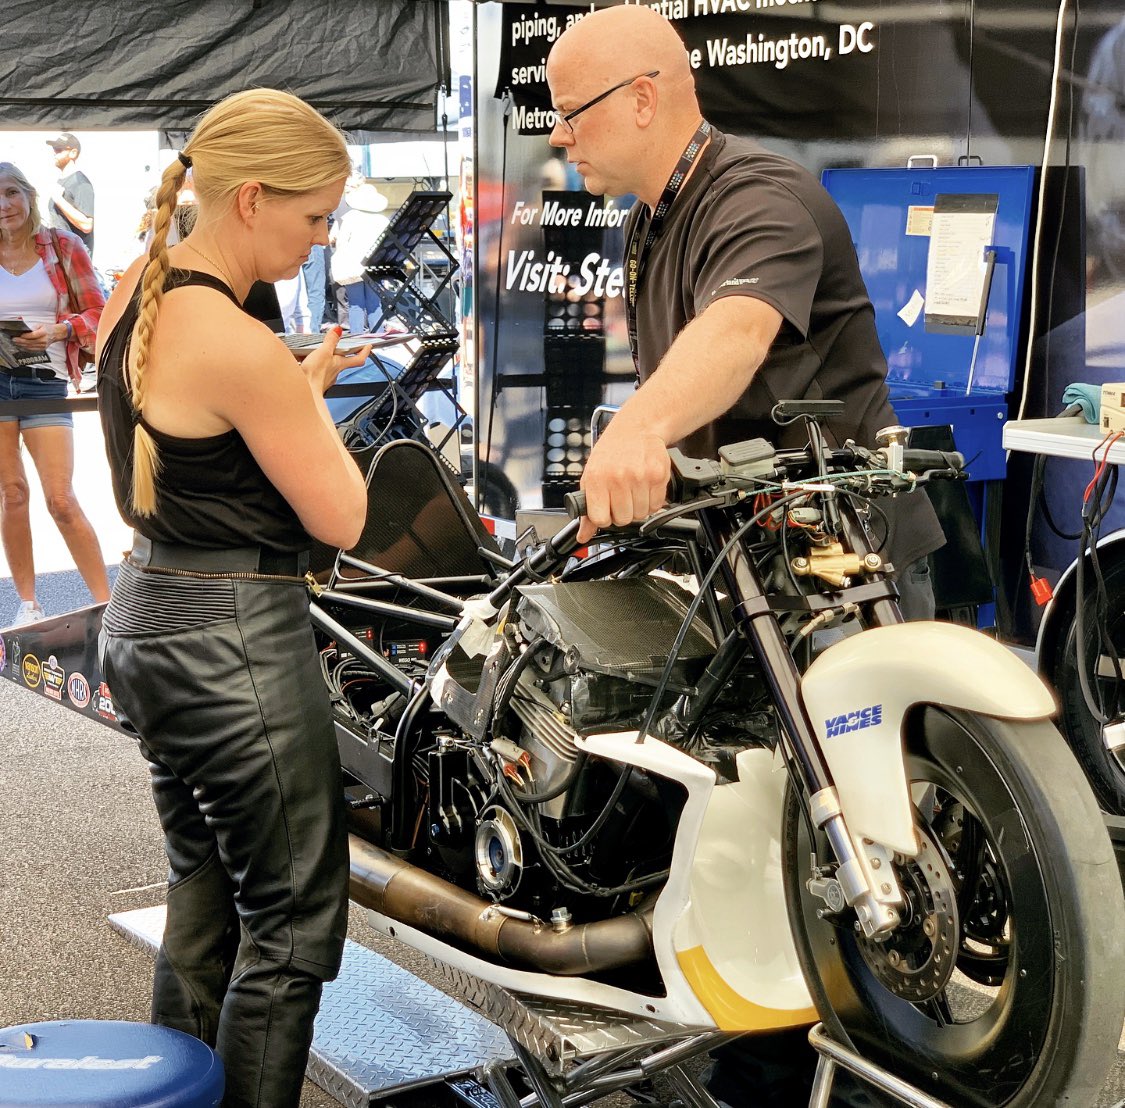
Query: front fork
(864,879)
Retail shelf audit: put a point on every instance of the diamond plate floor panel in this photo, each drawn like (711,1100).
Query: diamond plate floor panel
(559,1031)
(380,1029)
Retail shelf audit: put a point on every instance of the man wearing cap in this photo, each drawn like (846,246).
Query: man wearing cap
(71,207)
(360,229)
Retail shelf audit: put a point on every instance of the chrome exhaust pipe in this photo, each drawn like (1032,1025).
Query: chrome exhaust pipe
(404,892)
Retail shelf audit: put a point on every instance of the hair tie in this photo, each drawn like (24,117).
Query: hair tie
(185,160)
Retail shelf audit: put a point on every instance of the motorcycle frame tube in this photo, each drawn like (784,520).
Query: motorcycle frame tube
(397,579)
(388,610)
(391,673)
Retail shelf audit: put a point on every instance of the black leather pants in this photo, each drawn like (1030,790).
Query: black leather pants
(220,678)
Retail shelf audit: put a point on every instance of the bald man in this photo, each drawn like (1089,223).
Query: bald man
(742,283)
(746,291)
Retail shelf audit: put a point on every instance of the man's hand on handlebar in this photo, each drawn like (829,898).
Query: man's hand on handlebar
(625,479)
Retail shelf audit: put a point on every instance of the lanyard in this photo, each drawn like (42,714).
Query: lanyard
(638,254)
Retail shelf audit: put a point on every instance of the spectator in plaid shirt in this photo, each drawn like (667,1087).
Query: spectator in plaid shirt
(47,280)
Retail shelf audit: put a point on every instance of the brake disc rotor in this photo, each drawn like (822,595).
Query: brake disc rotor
(916,961)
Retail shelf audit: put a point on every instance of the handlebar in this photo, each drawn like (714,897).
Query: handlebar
(944,462)
(919,461)
(575,504)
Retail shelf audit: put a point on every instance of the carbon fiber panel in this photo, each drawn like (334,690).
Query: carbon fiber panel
(618,626)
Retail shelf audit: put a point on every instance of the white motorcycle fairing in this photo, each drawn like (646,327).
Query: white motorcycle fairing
(859,690)
(720,928)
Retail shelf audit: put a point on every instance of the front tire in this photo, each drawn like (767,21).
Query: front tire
(1033,1014)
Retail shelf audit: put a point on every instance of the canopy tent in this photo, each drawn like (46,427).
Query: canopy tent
(372,67)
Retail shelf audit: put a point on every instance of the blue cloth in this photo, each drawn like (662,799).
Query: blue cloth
(1086,397)
(313,270)
(365,308)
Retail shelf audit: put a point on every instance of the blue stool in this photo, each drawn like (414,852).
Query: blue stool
(106,1064)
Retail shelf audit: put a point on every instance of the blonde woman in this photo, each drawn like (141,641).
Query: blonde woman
(46,280)
(226,463)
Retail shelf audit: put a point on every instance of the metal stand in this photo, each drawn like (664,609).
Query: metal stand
(571,1054)
(833,1055)
(603,1074)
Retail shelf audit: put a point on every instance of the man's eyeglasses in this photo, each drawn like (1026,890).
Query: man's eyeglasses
(563,121)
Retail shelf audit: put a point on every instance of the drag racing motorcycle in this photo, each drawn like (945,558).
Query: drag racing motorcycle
(707,775)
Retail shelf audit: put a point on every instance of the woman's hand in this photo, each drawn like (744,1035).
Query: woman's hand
(42,337)
(324,365)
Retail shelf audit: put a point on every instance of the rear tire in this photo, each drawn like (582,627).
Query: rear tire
(1105,769)
(1041,919)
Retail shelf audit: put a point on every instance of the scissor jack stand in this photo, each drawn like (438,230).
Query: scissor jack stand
(833,1055)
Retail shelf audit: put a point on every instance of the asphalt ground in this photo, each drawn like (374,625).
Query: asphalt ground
(79,835)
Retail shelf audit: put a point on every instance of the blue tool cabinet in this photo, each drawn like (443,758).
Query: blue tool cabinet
(928,372)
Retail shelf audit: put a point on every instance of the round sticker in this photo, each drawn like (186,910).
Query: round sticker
(78,689)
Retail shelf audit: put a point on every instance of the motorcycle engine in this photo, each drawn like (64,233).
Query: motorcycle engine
(587,658)
(603,646)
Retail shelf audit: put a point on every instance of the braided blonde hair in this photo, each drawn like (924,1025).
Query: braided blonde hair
(260,135)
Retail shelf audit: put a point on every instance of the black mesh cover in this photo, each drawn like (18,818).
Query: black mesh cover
(419,522)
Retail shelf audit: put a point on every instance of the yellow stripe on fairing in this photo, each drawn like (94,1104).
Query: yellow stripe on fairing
(730,1010)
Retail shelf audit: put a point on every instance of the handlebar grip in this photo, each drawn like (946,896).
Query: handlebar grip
(918,461)
(575,504)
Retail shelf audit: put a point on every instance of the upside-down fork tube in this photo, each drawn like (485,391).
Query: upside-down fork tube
(758,623)
(393,887)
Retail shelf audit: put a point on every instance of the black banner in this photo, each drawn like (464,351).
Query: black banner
(808,70)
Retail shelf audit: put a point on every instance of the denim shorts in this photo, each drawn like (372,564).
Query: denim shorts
(31,388)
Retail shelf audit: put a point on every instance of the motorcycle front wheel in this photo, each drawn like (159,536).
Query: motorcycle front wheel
(1033,1011)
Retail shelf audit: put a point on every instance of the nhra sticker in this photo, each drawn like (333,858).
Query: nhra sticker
(78,689)
(103,703)
(854,721)
(32,671)
(53,678)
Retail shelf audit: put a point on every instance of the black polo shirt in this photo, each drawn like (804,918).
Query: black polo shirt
(752,223)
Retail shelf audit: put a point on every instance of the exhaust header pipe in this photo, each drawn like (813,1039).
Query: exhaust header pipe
(404,892)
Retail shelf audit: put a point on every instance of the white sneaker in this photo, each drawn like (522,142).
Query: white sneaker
(28,612)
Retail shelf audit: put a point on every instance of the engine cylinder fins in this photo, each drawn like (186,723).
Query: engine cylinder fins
(499,852)
(547,727)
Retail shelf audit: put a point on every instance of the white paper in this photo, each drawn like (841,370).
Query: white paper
(956,267)
(912,309)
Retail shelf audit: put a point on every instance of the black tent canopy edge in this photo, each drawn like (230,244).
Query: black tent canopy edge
(372,67)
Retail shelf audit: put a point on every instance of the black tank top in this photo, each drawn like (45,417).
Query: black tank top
(210,491)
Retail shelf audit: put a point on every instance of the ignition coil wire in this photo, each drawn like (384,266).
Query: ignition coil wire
(560,870)
(507,684)
(689,617)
